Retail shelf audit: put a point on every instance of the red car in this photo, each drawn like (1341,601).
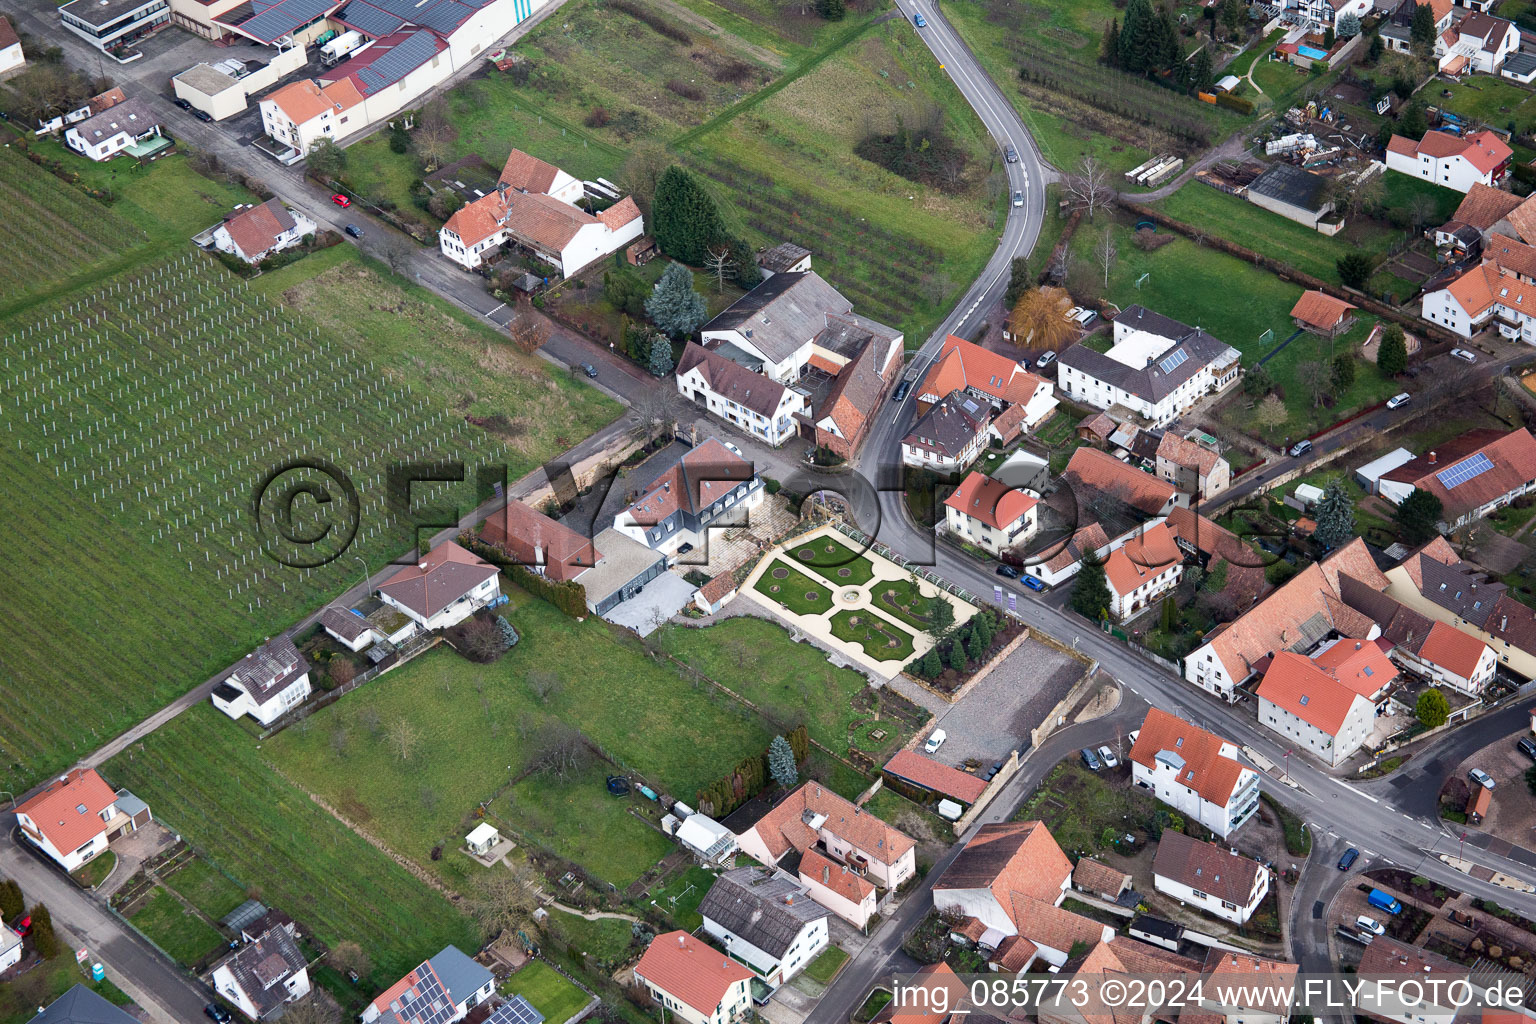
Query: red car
(23,926)
(341,200)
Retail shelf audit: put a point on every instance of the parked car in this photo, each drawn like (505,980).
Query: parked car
(1300,448)
(23,927)
(1348,860)
(1398,401)
(1370,924)
(1464,355)
(202,115)
(1032,583)
(1045,360)
(1091,759)
(1018,198)
(935,741)
(353,230)
(183,104)
(1108,757)
(919,21)
(1481,778)
(589,369)
(341,200)
(732,448)
(1008,571)
(901,390)
(1384,901)
(1527,746)
(1010,154)
(217,1013)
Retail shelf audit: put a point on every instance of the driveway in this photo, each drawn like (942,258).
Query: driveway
(999,713)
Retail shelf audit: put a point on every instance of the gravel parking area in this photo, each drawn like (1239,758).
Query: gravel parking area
(1513,813)
(998,713)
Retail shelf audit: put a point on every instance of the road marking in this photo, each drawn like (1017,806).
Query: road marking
(1408,816)
(1369,853)
(494,310)
(1333,835)
(1355,791)
(1425,824)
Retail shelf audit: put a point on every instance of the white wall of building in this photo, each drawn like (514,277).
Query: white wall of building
(1214,905)
(1221,818)
(1330,749)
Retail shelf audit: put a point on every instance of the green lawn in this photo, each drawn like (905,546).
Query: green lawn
(1494,100)
(910,602)
(881,638)
(829,557)
(794,589)
(207,889)
(1282,82)
(557,999)
(96,871)
(681,896)
(825,966)
(186,937)
(605,940)
(1403,189)
(480,726)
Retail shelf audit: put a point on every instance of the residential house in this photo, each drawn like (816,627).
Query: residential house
(301,113)
(698,984)
(1454,161)
(114,24)
(75,817)
(928,779)
(1094,475)
(1437,651)
(766,919)
(1243,988)
(1478,44)
(349,627)
(1320,313)
(1142,570)
(538,543)
(742,397)
(784,258)
(710,487)
(1393,962)
(1397,30)
(989,376)
(264,974)
(1061,561)
(446,587)
(704,837)
(271,680)
(1297,194)
(1219,550)
(1100,975)
(1096,430)
(1195,772)
(1325,14)
(1297,617)
(558,232)
(1312,709)
(81,1005)
(989,514)
(1485,211)
(844,891)
(949,436)
(716,594)
(814,817)
(1221,883)
(1010,880)
(441,990)
(1473,475)
(254,232)
(1436,583)
(1157,368)
(95,105)
(624,567)
(102,136)
(1192,467)
(11,57)
(10,949)
(937,996)
(1099,879)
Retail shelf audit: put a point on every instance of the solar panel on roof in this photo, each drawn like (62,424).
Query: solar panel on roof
(1174,361)
(1464,470)
(399,61)
(284,17)
(427,1003)
(515,1011)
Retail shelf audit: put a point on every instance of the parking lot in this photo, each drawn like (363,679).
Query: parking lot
(1513,812)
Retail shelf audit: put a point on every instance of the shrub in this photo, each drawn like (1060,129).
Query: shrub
(1241,104)
(687,90)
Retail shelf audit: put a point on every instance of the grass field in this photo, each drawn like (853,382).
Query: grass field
(1496,101)
(207,889)
(826,964)
(681,897)
(550,994)
(831,558)
(605,940)
(479,728)
(178,931)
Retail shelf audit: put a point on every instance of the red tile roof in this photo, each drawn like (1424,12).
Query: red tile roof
(1015,859)
(7,35)
(817,867)
(68,810)
(1206,769)
(1087,538)
(305,100)
(701,477)
(1319,309)
(1513,456)
(255,229)
(1306,691)
(940,778)
(424,976)
(1095,876)
(447,573)
(1484,206)
(1358,664)
(782,828)
(719,588)
(1212,869)
(1480,801)
(990,501)
(1484,150)
(688,970)
(1103,472)
(1452,649)
(527,173)
(620,213)
(1140,559)
(962,364)
(1184,452)
(534,539)
(919,1010)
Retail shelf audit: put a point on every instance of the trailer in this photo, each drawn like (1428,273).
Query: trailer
(342,45)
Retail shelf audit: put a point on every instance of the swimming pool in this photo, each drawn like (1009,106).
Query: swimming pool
(1312,52)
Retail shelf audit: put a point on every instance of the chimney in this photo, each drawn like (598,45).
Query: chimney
(682,942)
(789,899)
(826,874)
(1432,458)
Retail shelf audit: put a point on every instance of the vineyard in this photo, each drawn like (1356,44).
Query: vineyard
(49,230)
(138,421)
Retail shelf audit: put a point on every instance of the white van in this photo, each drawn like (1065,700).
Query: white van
(935,741)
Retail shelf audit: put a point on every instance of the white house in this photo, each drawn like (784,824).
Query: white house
(264,974)
(1478,43)
(349,628)
(302,113)
(698,984)
(743,398)
(1140,571)
(257,231)
(1312,709)
(1060,562)
(102,136)
(709,487)
(1157,368)
(10,949)
(446,587)
(1209,877)
(443,990)
(848,835)
(268,682)
(767,919)
(1451,160)
(11,58)
(990,514)
(773,327)
(839,888)
(1473,474)
(1192,467)
(704,837)
(1195,772)
(1325,14)
(562,235)
(76,816)
(949,436)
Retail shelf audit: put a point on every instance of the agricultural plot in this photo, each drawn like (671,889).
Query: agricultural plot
(50,231)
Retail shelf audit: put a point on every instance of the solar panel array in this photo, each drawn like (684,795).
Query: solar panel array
(517,1010)
(427,1003)
(283,17)
(369,19)
(398,61)
(1464,470)
(1174,361)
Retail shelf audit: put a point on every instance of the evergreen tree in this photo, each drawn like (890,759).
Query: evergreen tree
(1203,74)
(1392,357)
(1421,31)
(1257,382)
(931,664)
(975,645)
(1349,25)
(684,217)
(1355,268)
(1109,49)
(1418,517)
(1343,370)
(1018,281)
(674,306)
(941,615)
(44,942)
(832,10)
(1413,122)
(1335,516)
(955,657)
(781,762)
(1375,48)
(1090,592)
(748,273)
(982,625)
(1328,38)
(1233,14)
(1136,37)
(12,905)
(659,362)
(1432,709)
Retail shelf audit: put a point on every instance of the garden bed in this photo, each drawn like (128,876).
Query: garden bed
(794,590)
(832,560)
(1504,914)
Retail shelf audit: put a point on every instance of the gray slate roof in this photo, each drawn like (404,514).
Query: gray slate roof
(130,116)
(82,1006)
(460,975)
(1291,184)
(951,425)
(781,257)
(763,908)
(261,967)
(782,313)
(270,669)
(345,623)
(732,380)
(1151,382)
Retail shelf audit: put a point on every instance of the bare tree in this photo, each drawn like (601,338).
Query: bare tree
(644,168)
(403,737)
(1089,187)
(658,410)
(349,956)
(719,263)
(1315,376)
(1270,413)
(936,287)
(1105,253)
(562,752)
(436,134)
(544,684)
(368,718)
(528,331)
(504,899)
(339,739)
(313,1009)
(341,671)
(479,639)
(1420,208)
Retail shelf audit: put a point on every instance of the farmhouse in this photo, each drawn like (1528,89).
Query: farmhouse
(1092,474)
(1311,708)
(11,58)
(710,487)
(767,919)
(443,989)
(990,514)
(697,983)
(839,888)
(1195,772)
(76,816)
(102,136)
(1141,570)
(989,377)
(1204,875)
(1437,651)
(1451,160)
(814,817)
(446,587)
(255,232)
(264,974)
(268,682)
(1157,368)
(1192,467)
(949,436)
(1296,194)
